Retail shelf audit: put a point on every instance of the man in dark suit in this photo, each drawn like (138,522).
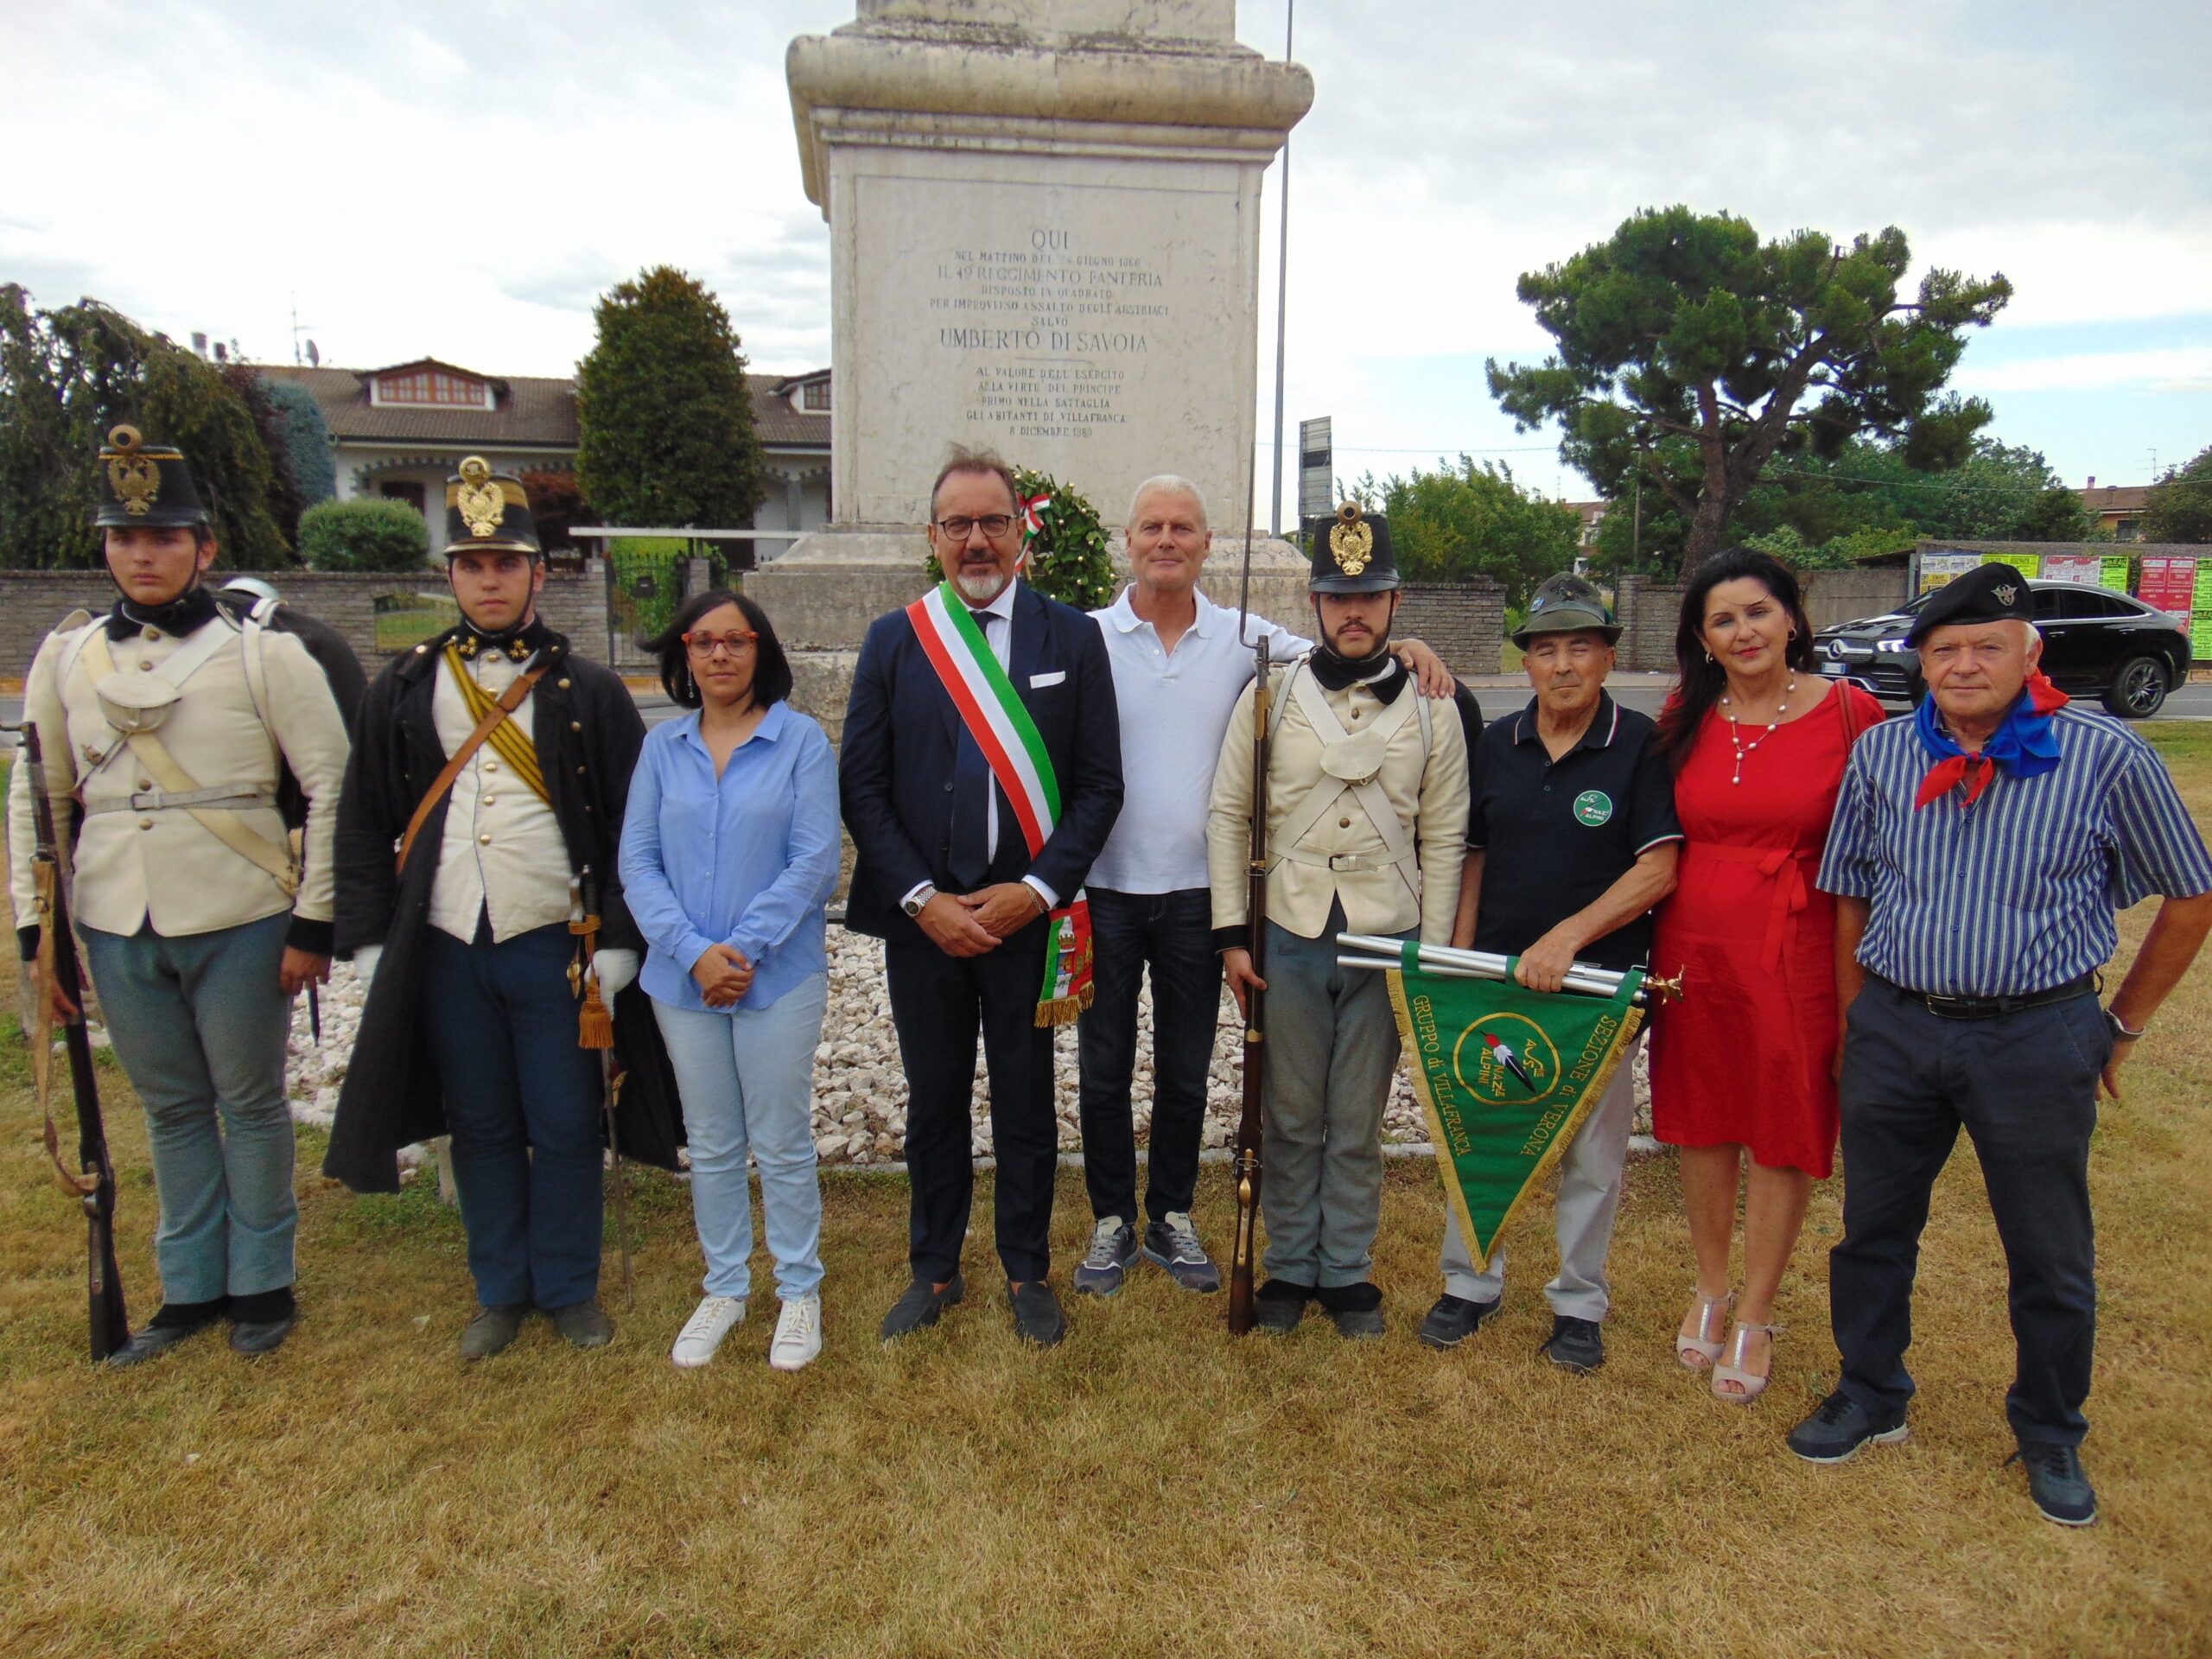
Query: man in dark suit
(947,878)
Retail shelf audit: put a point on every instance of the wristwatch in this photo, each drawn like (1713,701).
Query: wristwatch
(914,902)
(2119,1030)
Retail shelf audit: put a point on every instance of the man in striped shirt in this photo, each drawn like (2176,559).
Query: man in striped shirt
(1978,854)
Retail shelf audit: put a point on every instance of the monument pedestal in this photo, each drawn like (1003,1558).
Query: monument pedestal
(1045,241)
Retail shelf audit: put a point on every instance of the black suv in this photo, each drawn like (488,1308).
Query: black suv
(2096,643)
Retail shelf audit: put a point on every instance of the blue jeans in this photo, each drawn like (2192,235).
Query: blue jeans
(1331,1050)
(522,1101)
(1172,932)
(199,1022)
(747,1076)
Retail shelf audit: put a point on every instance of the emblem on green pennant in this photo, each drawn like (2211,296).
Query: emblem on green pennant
(1593,807)
(1505,1076)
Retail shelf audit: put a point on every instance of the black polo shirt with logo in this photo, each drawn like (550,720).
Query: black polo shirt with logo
(1556,834)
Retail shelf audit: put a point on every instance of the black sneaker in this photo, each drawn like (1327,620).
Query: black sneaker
(1279,1304)
(2057,1482)
(922,1304)
(1454,1318)
(1113,1247)
(1355,1310)
(1173,1243)
(1840,1425)
(1574,1344)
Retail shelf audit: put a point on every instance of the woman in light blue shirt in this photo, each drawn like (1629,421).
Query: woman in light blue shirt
(729,854)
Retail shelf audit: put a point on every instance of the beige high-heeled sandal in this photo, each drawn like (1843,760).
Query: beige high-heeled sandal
(1752,1384)
(1699,1353)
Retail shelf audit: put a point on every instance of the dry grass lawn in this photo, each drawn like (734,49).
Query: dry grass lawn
(1151,1487)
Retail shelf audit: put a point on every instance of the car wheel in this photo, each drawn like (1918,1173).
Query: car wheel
(2139,690)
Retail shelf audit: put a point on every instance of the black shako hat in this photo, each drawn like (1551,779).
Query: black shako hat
(1567,603)
(1351,553)
(488,512)
(142,483)
(1988,593)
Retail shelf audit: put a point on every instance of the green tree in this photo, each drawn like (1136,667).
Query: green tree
(1466,521)
(68,376)
(2179,507)
(306,441)
(363,534)
(665,423)
(1691,354)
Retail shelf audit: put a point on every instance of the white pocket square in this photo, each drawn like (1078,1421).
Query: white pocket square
(1038,682)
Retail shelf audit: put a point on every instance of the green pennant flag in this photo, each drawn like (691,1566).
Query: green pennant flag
(1505,1076)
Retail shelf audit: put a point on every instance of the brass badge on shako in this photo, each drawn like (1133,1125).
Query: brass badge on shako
(136,480)
(1351,543)
(481,503)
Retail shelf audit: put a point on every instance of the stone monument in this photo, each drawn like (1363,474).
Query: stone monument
(1045,235)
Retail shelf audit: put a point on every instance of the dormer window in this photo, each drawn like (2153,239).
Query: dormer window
(432,389)
(814,396)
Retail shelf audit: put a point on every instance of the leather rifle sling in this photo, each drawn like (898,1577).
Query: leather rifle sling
(509,702)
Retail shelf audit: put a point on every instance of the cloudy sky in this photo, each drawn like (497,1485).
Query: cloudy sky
(460,178)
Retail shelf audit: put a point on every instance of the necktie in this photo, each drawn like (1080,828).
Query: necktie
(971,858)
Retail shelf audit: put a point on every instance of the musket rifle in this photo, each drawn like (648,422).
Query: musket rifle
(595,1030)
(1244,1244)
(92,1182)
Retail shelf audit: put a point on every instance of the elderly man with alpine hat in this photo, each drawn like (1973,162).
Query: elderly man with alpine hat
(1978,854)
(497,762)
(1366,811)
(1570,839)
(170,727)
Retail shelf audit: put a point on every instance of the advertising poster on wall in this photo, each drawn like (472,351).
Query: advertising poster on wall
(2169,584)
(2082,568)
(1940,565)
(2112,572)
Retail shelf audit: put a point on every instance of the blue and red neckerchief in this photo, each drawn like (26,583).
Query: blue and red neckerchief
(2022,744)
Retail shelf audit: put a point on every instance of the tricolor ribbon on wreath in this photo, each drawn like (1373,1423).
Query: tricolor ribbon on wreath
(1033,514)
(993,715)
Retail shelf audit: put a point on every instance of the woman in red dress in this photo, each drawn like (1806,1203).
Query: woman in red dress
(1744,1063)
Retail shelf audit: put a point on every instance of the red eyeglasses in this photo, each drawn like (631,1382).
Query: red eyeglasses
(702,644)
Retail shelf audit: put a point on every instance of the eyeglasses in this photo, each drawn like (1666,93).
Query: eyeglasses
(702,644)
(993,525)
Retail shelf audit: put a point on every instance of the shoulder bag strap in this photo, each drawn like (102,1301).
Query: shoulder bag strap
(509,702)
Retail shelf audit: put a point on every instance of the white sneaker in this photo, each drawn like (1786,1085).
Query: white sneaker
(798,1335)
(702,1334)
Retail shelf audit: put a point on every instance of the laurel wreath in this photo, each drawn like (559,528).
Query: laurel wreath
(1064,542)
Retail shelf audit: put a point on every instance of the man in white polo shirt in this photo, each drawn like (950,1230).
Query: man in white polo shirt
(1180,662)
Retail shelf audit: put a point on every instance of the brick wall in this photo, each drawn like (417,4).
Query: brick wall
(1463,621)
(1647,610)
(32,601)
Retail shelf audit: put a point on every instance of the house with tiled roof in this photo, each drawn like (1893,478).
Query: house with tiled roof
(2116,507)
(400,432)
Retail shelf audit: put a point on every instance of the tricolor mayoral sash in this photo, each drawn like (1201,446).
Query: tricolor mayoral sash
(1506,1077)
(994,717)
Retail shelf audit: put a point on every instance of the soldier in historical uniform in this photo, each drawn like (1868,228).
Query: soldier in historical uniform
(169,726)
(506,831)
(1367,818)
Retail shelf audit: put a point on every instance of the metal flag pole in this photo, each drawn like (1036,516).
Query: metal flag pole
(1583,978)
(1283,285)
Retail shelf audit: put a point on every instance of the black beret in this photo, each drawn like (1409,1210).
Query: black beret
(1988,593)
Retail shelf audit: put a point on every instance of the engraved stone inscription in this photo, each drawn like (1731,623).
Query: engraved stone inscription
(1038,330)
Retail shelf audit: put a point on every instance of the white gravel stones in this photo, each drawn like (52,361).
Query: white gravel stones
(860,1091)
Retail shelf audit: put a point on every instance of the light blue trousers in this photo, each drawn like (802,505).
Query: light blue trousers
(199,1022)
(747,1080)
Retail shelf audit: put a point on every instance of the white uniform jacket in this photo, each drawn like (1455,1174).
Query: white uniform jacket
(1343,855)
(137,860)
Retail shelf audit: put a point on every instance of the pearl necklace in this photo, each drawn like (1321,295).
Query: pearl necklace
(1735,731)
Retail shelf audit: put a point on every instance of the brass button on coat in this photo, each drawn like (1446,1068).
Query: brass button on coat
(484,840)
